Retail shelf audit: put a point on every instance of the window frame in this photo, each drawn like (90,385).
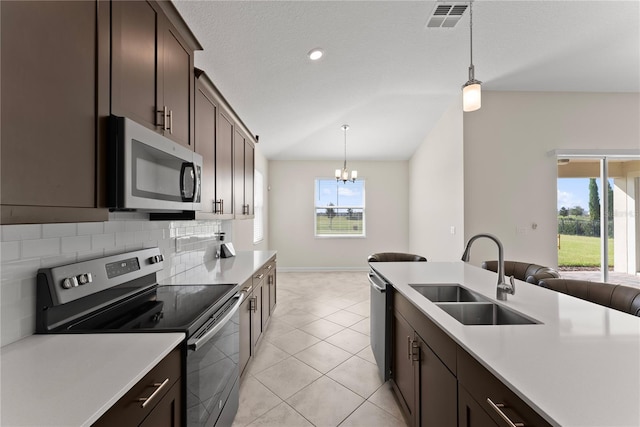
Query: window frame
(361,235)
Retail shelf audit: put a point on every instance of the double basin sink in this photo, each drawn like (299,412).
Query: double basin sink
(469,307)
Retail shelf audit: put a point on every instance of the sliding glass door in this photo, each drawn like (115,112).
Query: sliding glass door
(597,218)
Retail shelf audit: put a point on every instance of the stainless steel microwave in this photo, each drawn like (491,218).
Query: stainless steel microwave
(149,172)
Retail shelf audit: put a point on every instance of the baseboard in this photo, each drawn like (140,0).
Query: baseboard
(282,269)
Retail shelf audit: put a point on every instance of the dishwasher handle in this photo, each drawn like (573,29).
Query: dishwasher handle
(376,282)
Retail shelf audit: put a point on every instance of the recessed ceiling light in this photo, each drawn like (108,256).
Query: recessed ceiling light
(315,54)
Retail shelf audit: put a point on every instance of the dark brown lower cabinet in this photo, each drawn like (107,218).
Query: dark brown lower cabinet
(426,388)
(438,389)
(439,384)
(161,388)
(470,413)
(245,327)
(493,397)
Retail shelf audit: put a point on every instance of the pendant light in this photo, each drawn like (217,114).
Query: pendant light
(471,90)
(343,175)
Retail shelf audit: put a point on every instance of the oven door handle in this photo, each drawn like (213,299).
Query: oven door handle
(195,344)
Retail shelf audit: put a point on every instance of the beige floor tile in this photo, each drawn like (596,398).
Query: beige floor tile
(322,328)
(276,327)
(362,308)
(282,415)
(323,356)
(369,415)
(255,400)
(319,309)
(288,377)
(349,340)
(266,356)
(385,399)
(325,402)
(367,354)
(298,318)
(363,326)
(357,375)
(344,318)
(294,341)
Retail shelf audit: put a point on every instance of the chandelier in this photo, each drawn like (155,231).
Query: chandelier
(343,175)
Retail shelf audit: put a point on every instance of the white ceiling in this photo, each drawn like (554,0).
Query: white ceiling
(388,76)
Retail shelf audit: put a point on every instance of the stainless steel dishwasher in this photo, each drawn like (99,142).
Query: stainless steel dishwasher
(380,318)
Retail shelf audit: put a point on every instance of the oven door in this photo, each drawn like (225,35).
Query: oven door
(212,368)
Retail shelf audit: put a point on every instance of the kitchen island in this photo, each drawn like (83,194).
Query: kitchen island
(579,366)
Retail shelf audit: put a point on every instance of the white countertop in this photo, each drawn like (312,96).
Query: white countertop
(580,367)
(234,270)
(72,379)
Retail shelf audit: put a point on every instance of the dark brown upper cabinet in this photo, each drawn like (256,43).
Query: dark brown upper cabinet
(54,70)
(152,68)
(228,151)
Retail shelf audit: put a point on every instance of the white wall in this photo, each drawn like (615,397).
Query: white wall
(509,177)
(291,213)
(436,191)
(242,230)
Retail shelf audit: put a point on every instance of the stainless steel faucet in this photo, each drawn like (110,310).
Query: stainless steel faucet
(503,288)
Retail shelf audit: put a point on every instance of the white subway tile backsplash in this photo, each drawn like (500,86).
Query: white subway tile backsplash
(10,251)
(85,228)
(59,230)
(21,232)
(40,248)
(103,241)
(26,248)
(75,244)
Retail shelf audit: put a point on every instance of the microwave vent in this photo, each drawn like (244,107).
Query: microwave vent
(446,15)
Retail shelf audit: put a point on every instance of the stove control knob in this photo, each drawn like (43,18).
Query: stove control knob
(70,282)
(156,259)
(83,279)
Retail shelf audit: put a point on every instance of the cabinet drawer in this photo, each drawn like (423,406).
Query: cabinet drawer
(441,344)
(482,385)
(128,411)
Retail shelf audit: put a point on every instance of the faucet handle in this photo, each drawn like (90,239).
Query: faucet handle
(513,285)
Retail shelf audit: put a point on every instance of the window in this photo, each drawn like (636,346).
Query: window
(258,206)
(339,208)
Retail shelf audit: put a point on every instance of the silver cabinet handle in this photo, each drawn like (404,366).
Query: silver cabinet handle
(408,348)
(498,408)
(145,400)
(171,122)
(260,276)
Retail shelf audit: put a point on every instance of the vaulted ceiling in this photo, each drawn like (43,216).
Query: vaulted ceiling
(389,76)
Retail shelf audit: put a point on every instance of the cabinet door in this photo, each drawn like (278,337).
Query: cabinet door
(470,413)
(206,112)
(238,174)
(403,372)
(175,84)
(245,329)
(48,130)
(438,390)
(134,62)
(168,412)
(256,317)
(249,165)
(224,163)
(264,309)
(271,280)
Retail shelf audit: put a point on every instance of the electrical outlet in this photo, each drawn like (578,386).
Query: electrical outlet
(453,230)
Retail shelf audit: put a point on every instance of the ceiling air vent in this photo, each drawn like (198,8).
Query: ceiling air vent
(446,15)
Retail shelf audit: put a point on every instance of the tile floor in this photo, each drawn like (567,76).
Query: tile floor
(314,365)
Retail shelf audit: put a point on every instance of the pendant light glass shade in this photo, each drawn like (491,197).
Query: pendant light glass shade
(471,96)
(471,90)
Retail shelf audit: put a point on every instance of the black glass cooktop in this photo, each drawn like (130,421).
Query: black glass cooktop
(163,308)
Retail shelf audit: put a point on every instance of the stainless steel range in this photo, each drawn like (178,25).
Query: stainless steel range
(120,293)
